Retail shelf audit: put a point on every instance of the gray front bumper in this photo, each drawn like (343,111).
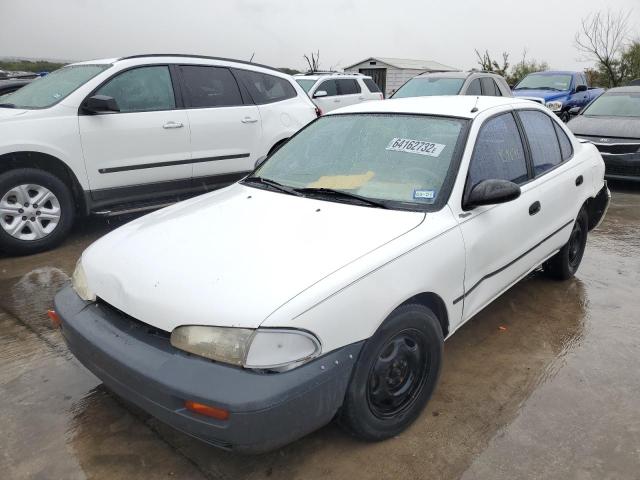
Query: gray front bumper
(139,364)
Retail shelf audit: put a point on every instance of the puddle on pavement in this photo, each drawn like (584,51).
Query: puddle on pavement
(550,394)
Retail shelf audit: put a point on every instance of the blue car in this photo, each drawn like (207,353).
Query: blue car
(559,90)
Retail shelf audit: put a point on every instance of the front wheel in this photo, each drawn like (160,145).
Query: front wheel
(564,264)
(36,211)
(395,375)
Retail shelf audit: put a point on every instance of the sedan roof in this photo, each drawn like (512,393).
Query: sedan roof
(629,89)
(465,106)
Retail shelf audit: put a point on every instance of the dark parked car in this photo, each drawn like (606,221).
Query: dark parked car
(12,84)
(612,123)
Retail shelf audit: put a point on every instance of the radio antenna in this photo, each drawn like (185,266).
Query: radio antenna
(475,105)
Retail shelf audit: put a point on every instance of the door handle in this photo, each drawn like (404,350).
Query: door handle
(337,100)
(360,98)
(579,180)
(534,208)
(249,120)
(170,125)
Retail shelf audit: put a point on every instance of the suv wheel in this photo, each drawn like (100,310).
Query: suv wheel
(36,211)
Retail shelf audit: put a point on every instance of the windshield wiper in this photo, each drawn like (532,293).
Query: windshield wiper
(272,184)
(341,193)
(7,105)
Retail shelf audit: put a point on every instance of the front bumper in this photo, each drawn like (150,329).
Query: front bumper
(139,364)
(622,167)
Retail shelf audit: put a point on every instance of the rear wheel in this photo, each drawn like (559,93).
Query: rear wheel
(395,375)
(36,211)
(564,264)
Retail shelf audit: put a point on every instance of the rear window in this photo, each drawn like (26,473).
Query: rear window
(348,86)
(371,85)
(265,88)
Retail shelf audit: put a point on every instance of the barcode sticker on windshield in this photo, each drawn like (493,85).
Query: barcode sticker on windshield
(415,146)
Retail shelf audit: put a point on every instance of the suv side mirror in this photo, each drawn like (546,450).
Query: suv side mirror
(581,88)
(320,93)
(574,111)
(100,104)
(491,192)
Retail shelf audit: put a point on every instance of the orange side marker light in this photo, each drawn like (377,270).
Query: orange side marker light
(209,411)
(56,321)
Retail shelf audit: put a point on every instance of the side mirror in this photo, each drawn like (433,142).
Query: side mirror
(100,104)
(581,88)
(320,93)
(491,192)
(574,111)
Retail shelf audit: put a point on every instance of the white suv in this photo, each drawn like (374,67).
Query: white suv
(130,134)
(331,90)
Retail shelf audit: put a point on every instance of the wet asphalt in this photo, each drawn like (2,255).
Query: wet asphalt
(544,383)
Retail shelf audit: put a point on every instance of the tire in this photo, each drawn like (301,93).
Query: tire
(391,382)
(25,226)
(564,264)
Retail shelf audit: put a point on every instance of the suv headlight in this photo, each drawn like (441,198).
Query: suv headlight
(554,106)
(79,283)
(273,349)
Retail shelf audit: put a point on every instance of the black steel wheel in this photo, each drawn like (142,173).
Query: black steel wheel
(564,264)
(395,375)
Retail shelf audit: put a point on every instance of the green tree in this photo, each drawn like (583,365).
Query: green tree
(524,67)
(29,66)
(630,61)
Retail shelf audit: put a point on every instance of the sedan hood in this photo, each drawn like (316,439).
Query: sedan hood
(546,95)
(233,256)
(613,127)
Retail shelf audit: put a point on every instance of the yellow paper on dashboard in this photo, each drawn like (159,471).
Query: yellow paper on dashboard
(342,182)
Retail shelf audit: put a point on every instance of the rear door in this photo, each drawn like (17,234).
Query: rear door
(225,127)
(350,91)
(146,143)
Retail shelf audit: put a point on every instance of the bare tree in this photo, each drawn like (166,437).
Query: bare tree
(602,37)
(314,61)
(490,65)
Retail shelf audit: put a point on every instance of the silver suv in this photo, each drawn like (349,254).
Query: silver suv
(455,83)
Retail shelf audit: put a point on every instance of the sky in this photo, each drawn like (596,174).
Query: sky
(279,32)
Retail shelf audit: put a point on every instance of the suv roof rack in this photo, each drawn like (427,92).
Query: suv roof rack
(184,55)
(329,72)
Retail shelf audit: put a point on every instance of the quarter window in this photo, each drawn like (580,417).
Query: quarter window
(348,87)
(498,153)
(565,143)
(490,88)
(474,88)
(371,85)
(330,87)
(265,88)
(210,87)
(141,89)
(545,150)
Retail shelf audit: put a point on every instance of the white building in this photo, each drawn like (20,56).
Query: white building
(391,73)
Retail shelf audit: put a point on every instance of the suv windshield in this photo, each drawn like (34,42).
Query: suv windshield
(427,86)
(613,104)
(398,160)
(306,84)
(49,90)
(544,82)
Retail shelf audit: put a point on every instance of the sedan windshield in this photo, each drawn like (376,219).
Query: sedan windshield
(384,160)
(427,86)
(49,90)
(544,82)
(306,84)
(615,104)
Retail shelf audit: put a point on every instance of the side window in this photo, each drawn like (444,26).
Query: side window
(348,86)
(474,88)
(141,89)
(210,87)
(545,150)
(330,87)
(565,144)
(265,88)
(489,87)
(371,85)
(498,153)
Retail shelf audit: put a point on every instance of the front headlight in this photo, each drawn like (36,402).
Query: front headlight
(274,349)
(554,106)
(79,283)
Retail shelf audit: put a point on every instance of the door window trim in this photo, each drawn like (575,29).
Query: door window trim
(179,104)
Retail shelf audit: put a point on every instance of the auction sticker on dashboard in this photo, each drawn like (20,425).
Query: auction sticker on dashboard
(428,195)
(419,147)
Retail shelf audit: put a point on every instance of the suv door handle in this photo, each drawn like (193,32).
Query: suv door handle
(337,100)
(170,125)
(534,208)
(579,180)
(249,120)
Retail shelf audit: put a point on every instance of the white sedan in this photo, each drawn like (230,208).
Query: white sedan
(326,282)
